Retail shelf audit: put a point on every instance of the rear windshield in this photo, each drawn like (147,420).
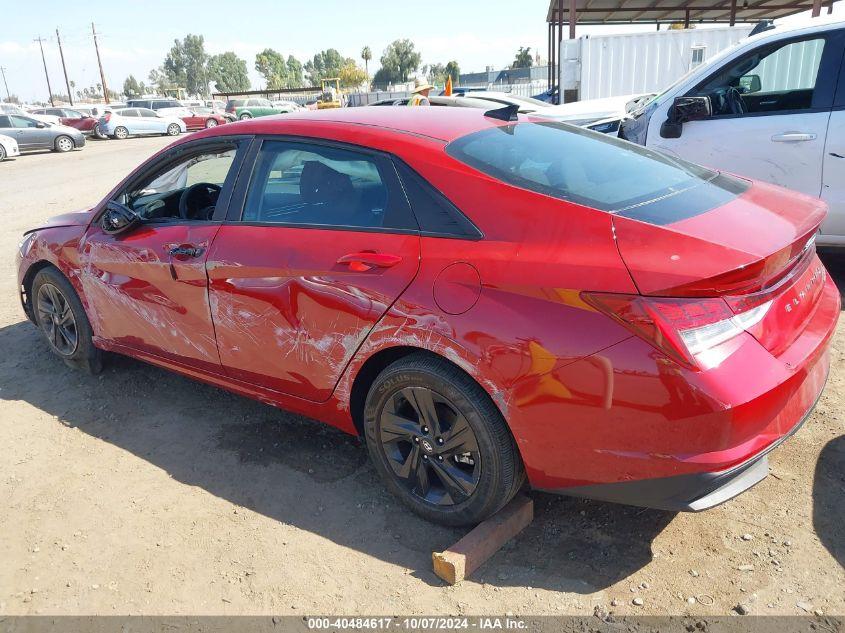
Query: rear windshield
(595,170)
(234,103)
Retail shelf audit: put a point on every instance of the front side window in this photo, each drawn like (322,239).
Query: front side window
(304,184)
(146,112)
(187,190)
(772,79)
(595,170)
(22,121)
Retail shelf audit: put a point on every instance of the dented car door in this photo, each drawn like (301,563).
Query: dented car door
(325,244)
(147,288)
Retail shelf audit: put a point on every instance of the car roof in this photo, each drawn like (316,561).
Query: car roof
(444,124)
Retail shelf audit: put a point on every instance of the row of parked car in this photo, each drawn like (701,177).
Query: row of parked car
(63,129)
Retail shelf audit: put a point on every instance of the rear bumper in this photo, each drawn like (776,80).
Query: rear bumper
(629,425)
(692,492)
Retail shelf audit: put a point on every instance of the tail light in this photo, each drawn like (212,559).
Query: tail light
(682,328)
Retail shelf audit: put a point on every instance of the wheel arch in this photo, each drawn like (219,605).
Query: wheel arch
(26,284)
(366,374)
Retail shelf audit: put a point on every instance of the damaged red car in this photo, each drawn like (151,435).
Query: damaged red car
(492,302)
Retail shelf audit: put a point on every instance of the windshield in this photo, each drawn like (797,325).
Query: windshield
(594,170)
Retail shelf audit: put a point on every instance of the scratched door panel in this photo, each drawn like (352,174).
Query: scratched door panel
(287,315)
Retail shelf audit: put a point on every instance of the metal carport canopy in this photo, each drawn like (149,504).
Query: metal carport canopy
(651,11)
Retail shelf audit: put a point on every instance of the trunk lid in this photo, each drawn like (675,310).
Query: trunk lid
(755,248)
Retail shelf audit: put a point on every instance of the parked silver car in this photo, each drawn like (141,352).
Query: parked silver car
(31,134)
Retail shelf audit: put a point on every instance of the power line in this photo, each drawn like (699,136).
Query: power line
(3,72)
(41,41)
(64,68)
(100,63)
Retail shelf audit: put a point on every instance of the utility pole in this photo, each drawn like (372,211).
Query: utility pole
(3,72)
(100,64)
(46,74)
(64,68)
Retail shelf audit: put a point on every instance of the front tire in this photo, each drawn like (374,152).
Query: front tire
(62,320)
(63,144)
(2,153)
(245,116)
(121,133)
(211,123)
(173,130)
(439,443)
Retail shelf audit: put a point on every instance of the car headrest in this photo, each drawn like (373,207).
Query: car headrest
(320,184)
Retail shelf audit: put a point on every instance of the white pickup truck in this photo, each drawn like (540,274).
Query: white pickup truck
(772,107)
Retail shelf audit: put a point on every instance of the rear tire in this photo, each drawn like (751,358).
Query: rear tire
(245,116)
(63,144)
(173,130)
(62,320)
(210,123)
(2,153)
(121,133)
(439,443)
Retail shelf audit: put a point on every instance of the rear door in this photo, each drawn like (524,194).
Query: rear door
(833,176)
(785,91)
(326,242)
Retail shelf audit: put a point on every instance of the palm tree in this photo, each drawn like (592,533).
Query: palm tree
(367,55)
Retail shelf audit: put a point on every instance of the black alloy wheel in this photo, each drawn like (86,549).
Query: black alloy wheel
(430,446)
(56,319)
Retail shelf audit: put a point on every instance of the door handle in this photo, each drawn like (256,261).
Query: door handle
(792,137)
(835,155)
(186,251)
(360,262)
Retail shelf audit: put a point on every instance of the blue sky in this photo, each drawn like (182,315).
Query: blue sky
(135,36)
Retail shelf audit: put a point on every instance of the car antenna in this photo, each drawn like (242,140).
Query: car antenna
(507,113)
(761,26)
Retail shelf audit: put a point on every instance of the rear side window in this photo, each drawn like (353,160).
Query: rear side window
(435,214)
(314,185)
(595,170)
(5,121)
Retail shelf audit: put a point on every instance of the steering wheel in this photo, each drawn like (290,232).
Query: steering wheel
(209,190)
(734,101)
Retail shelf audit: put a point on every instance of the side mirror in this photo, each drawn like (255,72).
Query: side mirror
(41,124)
(118,218)
(685,109)
(750,83)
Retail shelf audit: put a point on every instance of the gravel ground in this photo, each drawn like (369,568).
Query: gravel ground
(142,492)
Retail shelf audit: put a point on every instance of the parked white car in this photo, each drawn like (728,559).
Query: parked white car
(769,108)
(8,147)
(287,106)
(12,108)
(121,124)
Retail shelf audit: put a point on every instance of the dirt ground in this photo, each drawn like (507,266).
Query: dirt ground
(142,492)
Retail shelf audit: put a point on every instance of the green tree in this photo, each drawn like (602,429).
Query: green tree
(523,58)
(271,65)
(131,87)
(13,99)
(228,72)
(367,55)
(398,61)
(325,64)
(295,73)
(351,75)
(158,80)
(453,70)
(186,65)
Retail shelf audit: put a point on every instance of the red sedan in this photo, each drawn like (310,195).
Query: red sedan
(202,118)
(488,300)
(72,118)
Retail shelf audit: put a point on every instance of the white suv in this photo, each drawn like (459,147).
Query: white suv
(772,107)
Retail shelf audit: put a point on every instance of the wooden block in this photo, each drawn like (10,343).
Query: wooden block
(487,538)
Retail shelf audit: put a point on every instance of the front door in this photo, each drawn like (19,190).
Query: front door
(29,133)
(146,288)
(325,244)
(833,189)
(770,114)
